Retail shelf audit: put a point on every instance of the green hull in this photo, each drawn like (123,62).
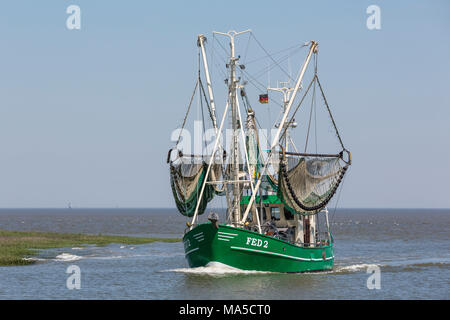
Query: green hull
(248,250)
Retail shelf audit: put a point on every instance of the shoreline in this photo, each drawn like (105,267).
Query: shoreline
(16,247)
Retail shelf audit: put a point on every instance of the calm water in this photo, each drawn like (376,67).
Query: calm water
(411,248)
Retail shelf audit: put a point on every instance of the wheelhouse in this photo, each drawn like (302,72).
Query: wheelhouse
(278,220)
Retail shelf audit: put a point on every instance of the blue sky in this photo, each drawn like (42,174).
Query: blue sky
(86,115)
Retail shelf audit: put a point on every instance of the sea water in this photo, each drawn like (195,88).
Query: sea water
(409,248)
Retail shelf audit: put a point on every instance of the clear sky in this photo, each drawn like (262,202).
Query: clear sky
(86,115)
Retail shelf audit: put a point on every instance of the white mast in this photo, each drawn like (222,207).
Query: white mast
(200,42)
(236,211)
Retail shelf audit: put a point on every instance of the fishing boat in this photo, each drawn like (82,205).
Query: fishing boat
(276,216)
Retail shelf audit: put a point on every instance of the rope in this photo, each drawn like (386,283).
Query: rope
(278,52)
(310,115)
(214,53)
(337,201)
(246,49)
(263,90)
(201,90)
(187,112)
(207,103)
(268,54)
(270,67)
(329,112)
(203,117)
(296,109)
(224,50)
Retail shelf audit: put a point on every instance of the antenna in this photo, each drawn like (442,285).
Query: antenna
(285,89)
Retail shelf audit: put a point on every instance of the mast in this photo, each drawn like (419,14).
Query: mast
(286,94)
(235,141)
(200,42)
(232,87)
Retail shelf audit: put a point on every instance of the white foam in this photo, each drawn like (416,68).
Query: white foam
(34,259)
(354,267)
(77,248)
(214,268)
(67,257)
(107,258)
(393,264)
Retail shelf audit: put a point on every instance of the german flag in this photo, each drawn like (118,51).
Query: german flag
(264,98)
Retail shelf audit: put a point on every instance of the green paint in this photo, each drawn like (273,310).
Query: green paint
(271,198)
(248,250)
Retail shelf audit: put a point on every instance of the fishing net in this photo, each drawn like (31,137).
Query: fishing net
(307,184)
(186,180)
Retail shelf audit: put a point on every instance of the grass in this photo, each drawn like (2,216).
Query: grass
(17,245)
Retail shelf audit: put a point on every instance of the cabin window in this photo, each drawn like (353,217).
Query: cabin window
(287,214)
(275,213)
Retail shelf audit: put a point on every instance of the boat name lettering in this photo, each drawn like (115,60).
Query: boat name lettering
(257,242)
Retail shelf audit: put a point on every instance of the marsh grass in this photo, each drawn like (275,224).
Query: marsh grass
(15,246)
